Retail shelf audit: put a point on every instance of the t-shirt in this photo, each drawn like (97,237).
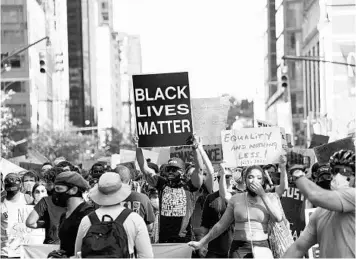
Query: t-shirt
(140,204)
(335,231)
(176,205)
(68,227)
(214,208)
(135,227)
(5,221)
(51,215)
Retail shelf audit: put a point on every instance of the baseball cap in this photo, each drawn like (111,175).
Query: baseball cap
(176,162)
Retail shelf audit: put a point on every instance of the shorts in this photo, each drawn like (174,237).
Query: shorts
(243,249)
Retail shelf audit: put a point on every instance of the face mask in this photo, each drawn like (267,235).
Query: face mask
(324,184)
(60,198)
(12,189)
(39,196)
(28,186)
(339,181)
(155,203)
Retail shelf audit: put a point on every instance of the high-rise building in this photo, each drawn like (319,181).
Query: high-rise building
(82,22)
(22,23)
(284,105)
(108,73)
(329,33)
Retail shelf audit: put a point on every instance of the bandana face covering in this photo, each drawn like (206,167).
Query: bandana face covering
(12,186)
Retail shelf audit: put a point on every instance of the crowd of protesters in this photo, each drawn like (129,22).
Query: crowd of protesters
(76,207)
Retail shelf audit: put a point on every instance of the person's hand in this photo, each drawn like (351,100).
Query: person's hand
(135,139)
(203,251)
(222,171)
(195,245)
(283,160)
(197,141)
(257,188)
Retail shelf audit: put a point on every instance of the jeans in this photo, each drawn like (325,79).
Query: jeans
(211,254)
(243,249)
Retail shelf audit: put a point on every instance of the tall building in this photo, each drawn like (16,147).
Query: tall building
(82,22)
(329,33)
(22,23)
(284,105)
(131,64)
(108,73)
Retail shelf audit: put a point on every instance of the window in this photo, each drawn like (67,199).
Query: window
(16,86)
(11,14)
(105,16)
(104,5)
(19,110)
(15,61)
(12,36)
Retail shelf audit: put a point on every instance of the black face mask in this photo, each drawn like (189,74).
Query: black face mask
(324,184)
(12,189)
(60,198)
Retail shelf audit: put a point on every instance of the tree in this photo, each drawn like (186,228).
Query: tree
(71,145)
(8,126)
(240,108)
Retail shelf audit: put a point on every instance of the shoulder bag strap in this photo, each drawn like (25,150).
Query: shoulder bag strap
(249,222)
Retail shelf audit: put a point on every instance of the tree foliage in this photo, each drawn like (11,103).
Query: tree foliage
(240,108)
(8,126)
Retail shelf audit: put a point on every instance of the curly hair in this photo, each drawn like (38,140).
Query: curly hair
(51,174)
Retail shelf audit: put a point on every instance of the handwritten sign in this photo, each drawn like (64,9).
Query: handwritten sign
(18,233)
(252,146)
(185,153)
(210,118)
(162,105)
(324,152)
(115,160)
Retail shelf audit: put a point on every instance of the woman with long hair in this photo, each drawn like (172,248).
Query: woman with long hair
(250,212)
(38,192)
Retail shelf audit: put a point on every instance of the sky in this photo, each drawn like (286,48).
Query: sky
(218,42)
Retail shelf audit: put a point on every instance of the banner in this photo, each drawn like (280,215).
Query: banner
(159,251)
(210,118)
(185,153)
(324,152)
(252,146)
(318,140)
(163,113)
(17,232)
(313,252)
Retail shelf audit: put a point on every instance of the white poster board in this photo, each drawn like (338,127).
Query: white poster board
(252,146)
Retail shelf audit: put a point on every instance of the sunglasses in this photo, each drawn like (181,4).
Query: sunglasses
(343,171)
(172,169)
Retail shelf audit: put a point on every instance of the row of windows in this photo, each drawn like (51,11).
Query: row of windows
(12,36)
(16,86)
(16,61)
(18,110)
(12,14)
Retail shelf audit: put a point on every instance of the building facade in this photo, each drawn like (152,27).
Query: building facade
(81,21)
(329,33)
(22,23)
(284,105)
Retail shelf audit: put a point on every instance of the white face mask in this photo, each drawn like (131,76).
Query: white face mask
(39,193)
(339,181)
(155,203)
(28,186)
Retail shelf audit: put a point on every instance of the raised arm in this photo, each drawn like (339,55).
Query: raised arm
(209,180)
(223,192)
(283,184)
(197,176)
(149,173)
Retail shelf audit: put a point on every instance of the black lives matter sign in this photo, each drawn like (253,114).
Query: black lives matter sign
(163,112)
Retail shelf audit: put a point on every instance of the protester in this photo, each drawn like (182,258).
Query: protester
(239,183)
(68,191)
(177,198)
(97,170)
(332,225)
(45,167)
(279,180)
(66,166)
(39,191)
(255,204)
(136,202)
(45,214)
(29,179)
(154,198)
(214,207)
(14,199)
(109,193)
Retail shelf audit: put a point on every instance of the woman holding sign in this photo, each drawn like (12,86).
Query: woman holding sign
(250,212)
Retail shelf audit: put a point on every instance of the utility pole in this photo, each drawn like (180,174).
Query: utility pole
(316,59)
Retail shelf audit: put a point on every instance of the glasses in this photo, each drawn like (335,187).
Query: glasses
(173,169)
(343,171)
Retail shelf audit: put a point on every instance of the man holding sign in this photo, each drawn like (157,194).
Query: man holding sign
(163,113)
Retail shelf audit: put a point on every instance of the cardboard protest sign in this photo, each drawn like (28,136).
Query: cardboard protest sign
(185,153)
(163,113)
(115,160)
(318,140)
(210,118)
(314,251)
(252,146)
(17,232)
(324,152)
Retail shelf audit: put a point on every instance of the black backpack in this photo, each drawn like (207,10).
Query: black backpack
(106,239)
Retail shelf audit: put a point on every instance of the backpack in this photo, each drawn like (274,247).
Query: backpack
(106,239)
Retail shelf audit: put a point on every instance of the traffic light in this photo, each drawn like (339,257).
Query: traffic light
(284,80)
(43,67)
